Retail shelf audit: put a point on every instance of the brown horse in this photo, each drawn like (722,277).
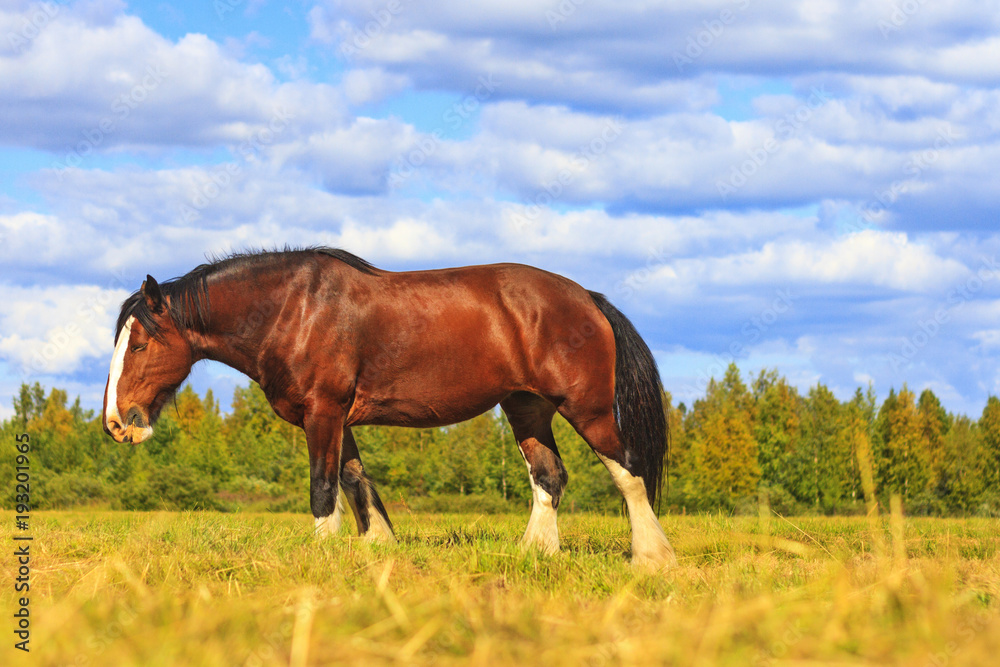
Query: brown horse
(335,342)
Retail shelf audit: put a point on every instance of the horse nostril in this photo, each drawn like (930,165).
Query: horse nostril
(113,428)
(135,418)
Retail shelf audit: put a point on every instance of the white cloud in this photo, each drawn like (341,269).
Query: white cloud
(649,50)
(82,86)
(53,330)
(354,159)
(679,162)
(372,84)
(867,258)
(405,239)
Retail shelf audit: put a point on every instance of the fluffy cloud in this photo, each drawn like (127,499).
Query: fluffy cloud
(869,258)
(77,84)
(649,51)
(803,150)
(55,330)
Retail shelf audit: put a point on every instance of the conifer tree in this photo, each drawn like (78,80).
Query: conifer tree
(989,426)
(723,442)
(934,424)
(905,463)
(778,431)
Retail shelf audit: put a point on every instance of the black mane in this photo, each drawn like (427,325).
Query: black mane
(188,294)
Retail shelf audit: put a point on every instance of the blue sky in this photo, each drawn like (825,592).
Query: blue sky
(807,185)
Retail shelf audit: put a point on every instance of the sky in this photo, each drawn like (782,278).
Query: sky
(804,185)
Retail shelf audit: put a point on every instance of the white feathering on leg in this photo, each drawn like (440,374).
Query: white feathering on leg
(542,530)
(378,528)
(330,525)
(650,547)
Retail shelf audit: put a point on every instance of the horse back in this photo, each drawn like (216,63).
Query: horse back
(438,347)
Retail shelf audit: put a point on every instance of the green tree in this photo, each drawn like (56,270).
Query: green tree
(989,426)
(29,403)
(934,424)
(905,463)
(962,477)
(778,431)
(723,445)
(830,444)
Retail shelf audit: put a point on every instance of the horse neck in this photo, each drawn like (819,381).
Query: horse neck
(242,314)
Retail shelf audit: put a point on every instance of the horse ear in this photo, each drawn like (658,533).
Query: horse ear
(151,290)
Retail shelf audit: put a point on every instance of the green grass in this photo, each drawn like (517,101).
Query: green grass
(116,588)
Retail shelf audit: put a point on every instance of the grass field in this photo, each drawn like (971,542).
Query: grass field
(234,589)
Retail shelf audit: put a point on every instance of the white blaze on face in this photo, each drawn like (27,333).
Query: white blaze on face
(117,364)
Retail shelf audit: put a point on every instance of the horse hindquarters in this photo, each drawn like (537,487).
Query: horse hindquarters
(625,425)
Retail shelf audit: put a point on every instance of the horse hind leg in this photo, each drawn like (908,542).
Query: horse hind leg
(369,512)
(530,418)
(651,549)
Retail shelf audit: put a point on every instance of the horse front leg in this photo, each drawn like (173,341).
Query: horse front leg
(324,438)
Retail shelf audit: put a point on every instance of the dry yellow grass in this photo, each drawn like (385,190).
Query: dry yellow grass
(213,589)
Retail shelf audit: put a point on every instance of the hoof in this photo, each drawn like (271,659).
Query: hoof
(327,526)
(379,531)
(546,546)
(660,560)
(375,537)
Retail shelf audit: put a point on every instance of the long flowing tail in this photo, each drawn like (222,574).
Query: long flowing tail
(638,401)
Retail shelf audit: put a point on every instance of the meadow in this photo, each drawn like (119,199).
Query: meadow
(205,588)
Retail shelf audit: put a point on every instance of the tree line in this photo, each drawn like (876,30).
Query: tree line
(743,443)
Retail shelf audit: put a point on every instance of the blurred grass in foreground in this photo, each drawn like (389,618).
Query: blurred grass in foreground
(117,588)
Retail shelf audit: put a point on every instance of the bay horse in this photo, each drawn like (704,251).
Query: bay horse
(335,342)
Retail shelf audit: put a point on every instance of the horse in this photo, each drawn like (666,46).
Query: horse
(335,342)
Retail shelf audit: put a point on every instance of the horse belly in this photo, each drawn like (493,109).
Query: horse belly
(431,387)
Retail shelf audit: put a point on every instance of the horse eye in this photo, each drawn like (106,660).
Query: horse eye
(139,348)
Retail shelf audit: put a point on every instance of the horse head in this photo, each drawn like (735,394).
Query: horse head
(151,359)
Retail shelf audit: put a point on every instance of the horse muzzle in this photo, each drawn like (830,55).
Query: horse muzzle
(136,428)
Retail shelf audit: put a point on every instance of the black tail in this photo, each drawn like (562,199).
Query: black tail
(638,401)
